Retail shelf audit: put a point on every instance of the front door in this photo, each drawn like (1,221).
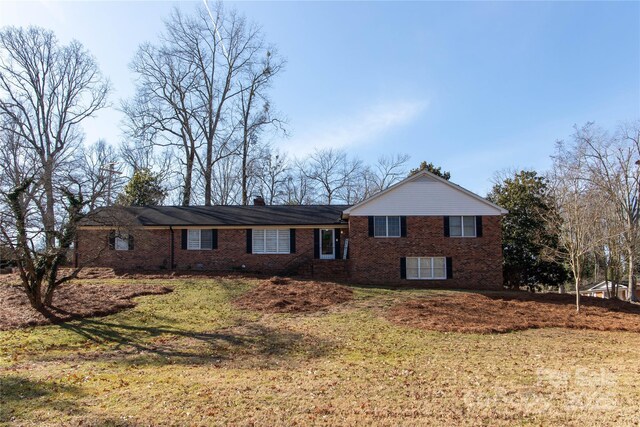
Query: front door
(327,244)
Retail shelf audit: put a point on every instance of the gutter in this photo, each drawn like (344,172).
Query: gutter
(171,256)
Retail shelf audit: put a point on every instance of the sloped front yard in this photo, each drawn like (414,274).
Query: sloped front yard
(71,301)
(498,312)
(193,357)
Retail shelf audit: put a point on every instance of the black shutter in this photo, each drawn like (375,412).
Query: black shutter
(111,240)
(403,226)
(184,239)
(446,226)
(316,243)
(337,233)
(403,268)
(214,238)
(449,268)
(249,240)
(478,226)
(370,226)
(205,239)
(292,241)
(130,248)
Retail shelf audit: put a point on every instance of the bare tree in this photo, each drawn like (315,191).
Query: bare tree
(99,173)
(330,170)
(46,91)
(255,108)
(389,170)
(273,177)
(612,168)
(162,111)
(576,215)
(186,86)
(300,190)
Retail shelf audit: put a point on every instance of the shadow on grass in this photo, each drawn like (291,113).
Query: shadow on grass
(157,345)
(20,397)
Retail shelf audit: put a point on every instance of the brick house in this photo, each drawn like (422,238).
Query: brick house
(424,230)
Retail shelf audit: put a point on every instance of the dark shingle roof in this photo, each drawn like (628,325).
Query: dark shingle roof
(216,215)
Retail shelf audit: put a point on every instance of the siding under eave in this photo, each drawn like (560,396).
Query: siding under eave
(425,197)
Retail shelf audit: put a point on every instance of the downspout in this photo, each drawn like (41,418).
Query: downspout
(171,256)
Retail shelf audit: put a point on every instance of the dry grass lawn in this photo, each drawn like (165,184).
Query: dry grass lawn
(191,357)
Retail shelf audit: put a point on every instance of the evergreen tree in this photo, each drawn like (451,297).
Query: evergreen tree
(144,189)
(430,167)
(525,231)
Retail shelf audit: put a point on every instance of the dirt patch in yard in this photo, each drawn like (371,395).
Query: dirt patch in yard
(71,301)
(284,295)
(513,311)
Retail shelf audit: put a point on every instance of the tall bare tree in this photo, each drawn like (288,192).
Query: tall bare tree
(574,214)
(389,170)
(163,111)
(99,173)
(273,176)
(46,91)
(612,167)
(255,108)
(186,86)
(331,171)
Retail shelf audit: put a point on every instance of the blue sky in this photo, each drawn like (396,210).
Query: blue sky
(475,87)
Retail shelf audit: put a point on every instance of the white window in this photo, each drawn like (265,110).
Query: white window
(199,239)
(271,241)
(431,268)
(121,242)
(193,239)
(386,226)
(462,226)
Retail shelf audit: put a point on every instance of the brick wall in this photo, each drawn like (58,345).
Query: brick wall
(152,251)
(477,262)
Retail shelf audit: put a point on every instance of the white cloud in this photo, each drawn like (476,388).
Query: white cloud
(352,130)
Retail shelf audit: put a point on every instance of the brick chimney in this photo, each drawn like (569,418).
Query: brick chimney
(258,201)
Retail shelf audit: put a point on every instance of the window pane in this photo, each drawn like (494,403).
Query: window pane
(380,226)
(439,268)
(283,241)
(412,268)
(469,226)
(271,241)
(394,226)
(258,241)
(455,226)
(193,240)
(122,243)
(206,236)
(425,268)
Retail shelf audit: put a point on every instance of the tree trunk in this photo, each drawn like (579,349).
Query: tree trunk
(631,285)
(35,296)
(48,296)
(208,174)
(577,295)
(49,215)
(245,155)
(186,191)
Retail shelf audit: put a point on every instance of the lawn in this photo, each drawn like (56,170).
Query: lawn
(192,357)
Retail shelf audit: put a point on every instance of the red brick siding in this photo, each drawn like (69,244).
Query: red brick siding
(477,262)
(152,251)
